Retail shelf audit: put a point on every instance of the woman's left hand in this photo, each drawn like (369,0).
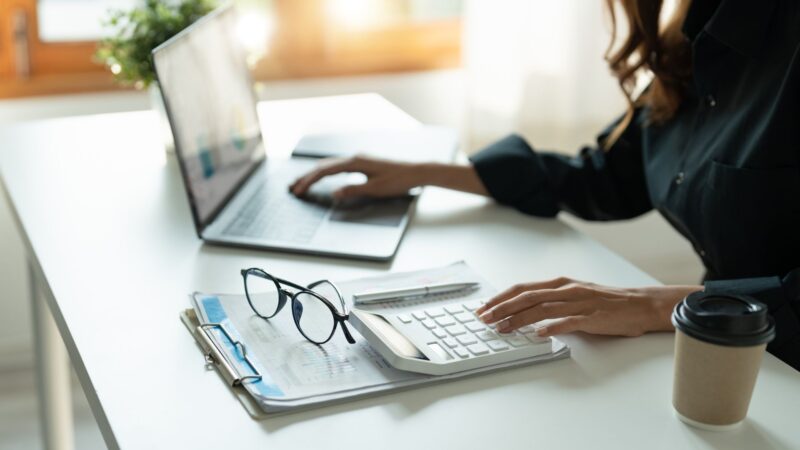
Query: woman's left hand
(581,306)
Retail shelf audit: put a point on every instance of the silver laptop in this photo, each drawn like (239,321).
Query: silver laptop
(238,196)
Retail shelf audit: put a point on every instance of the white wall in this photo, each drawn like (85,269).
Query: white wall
(432,97)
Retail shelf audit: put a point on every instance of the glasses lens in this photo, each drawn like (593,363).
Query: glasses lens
(327,290)
(263,294)
(313,317)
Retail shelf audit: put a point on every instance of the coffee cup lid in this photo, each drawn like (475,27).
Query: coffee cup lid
(724,319)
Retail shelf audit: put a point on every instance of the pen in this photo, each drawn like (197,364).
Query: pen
(366,298)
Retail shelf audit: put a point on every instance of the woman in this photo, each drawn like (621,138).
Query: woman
(713,143)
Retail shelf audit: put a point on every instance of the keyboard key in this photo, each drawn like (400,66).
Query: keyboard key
(527,329)
(478,349)
(439,333)
(455,330)
(452,309)
(429,324)
(467,339)
(405,318)
(419,315)
(450,342)
(475,326)
(472,305)
(518,341)
(434,312)
(461,352)
(445,321)
(487,335)
(497,345)
(464,317)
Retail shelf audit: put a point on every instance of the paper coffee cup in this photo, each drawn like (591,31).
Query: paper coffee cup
(719,345)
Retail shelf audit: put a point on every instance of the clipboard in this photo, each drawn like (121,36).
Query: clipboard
(247,378)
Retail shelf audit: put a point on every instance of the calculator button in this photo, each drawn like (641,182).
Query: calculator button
(497,345)
(439,333)
(474,326)
(452,309)
(487,335)
(473,305)
(464,317)
(455,330)
(419,315)
(405,318)
(517,341)
(478,349)
(450,342)
(445,321)
(461,352)
(429,324)
(434,312)
(467,339)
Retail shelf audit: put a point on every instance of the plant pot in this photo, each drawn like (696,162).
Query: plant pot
(157,105)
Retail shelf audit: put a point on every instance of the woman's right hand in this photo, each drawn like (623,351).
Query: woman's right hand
(384,178)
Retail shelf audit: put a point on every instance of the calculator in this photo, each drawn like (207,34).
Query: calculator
(444,338)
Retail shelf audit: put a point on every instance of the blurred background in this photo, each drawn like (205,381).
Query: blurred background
(486,68)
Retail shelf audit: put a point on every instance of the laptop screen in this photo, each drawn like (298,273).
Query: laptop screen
(211,106)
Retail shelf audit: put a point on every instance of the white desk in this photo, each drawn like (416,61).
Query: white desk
(112,247)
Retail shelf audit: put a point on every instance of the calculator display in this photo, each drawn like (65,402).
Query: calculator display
(399,343)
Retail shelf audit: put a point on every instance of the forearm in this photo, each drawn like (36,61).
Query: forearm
(451,176)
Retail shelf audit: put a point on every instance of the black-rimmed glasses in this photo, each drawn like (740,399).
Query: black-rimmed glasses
(313,309)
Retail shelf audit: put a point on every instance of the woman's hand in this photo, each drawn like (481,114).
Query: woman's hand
(390,178)
(384,178)
(588,307)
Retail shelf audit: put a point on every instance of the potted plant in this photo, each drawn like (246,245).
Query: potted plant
(136,32)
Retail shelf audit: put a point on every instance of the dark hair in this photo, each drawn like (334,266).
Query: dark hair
(664,51)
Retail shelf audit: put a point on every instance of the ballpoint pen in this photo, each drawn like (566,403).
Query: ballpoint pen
(366,298)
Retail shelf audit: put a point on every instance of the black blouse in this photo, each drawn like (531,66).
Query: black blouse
(725,171)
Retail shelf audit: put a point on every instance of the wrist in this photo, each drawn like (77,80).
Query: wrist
(429,174)
(664,303)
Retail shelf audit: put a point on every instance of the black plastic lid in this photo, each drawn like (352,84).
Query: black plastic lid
(724,319)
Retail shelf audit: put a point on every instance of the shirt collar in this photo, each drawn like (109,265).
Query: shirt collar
(739,24)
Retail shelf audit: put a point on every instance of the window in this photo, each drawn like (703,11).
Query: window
(46,46)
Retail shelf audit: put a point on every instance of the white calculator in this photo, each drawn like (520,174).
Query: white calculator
(443,338)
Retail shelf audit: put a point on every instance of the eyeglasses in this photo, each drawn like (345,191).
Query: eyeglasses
(313,311)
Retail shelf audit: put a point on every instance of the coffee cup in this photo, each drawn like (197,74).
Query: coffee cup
(719,344)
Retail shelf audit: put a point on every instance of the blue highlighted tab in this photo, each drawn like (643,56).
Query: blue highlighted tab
(216,314)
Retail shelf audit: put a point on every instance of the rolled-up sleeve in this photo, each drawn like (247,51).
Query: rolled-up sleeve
(782,297)
(594,185)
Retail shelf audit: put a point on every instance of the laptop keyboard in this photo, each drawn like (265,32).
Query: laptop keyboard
(271,213)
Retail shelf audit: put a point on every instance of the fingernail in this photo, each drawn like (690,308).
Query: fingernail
(541,331)
(486,317)
(503,326)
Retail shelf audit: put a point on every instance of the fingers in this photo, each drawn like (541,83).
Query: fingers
(331,167)
(568,293)
(563,326)
(518,289)
(551,310)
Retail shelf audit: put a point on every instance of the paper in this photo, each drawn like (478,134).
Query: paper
(297,372)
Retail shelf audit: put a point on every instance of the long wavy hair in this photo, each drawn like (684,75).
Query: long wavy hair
(649,46)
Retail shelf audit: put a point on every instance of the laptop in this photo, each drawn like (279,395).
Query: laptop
(238,195)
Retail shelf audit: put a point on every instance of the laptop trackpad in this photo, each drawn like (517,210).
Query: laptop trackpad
(387,212)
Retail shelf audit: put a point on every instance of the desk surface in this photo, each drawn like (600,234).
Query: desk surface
(106,221)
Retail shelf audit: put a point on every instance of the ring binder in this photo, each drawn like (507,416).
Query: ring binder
(215,355)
